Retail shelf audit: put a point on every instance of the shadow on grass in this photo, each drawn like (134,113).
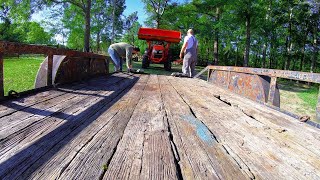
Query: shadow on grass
(294,86)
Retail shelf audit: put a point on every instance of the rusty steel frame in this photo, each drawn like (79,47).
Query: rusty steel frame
(7,48)
(1,75)
(17,48)
(274,74)
(294,75)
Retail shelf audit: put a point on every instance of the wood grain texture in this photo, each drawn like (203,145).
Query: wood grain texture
(269,150)
(59,128)
(145,152)
(86,155)
(23,113)
(201,156)
(32,121)
(151,127)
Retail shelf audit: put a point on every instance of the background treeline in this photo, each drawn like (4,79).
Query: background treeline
(256,33)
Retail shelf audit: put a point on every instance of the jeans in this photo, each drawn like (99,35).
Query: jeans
(116,59)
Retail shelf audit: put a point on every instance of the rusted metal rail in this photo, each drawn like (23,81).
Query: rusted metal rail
(17,48)
(91,64)
(294,75)
(257,83)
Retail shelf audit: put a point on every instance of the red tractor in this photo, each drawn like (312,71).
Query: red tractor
(159,41)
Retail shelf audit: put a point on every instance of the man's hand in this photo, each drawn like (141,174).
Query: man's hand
(181,55)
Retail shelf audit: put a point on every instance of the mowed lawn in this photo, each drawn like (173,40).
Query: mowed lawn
(20,73)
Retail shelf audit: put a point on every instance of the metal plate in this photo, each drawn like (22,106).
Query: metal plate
(70,69)
(252,86)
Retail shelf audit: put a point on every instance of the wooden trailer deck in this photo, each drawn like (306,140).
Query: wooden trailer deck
(151,127)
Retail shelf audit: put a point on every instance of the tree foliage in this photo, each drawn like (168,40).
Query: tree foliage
(255,33)
(155,9)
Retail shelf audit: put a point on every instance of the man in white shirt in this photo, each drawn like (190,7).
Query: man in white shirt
(189,49)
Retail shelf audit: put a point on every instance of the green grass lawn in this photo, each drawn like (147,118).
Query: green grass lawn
(299,98)
(310,96)
(20,73)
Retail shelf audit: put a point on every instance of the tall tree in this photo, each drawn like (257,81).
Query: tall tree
(315,32)
(213,9)
(101,17)
(129,23)
(156,9)
(13,13)
(118,7)
(85,9)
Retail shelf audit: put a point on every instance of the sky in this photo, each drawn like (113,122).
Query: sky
(132,6)
(135,5)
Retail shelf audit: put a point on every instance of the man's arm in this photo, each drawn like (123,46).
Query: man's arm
(129,57)
(184,46)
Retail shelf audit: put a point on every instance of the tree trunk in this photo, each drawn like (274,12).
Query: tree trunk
(236,61)
(302,55)
(208,53)
(303,46)
(264,54)
(87,27)
(113,21)
(256,60)
(288,62)
(247,48)
(216,48)
(272,60)
(294,64)
(98,41)
(158,19)
(272,36)
(289,43)
(315,49)
(216,41)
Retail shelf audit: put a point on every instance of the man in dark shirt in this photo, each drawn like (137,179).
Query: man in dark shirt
(122,50)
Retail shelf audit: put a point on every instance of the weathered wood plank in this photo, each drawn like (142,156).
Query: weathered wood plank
(201,156)
(16,163)
(86,155)
(301,133)
(32,120)
(145,151)
(25,110)
(220,131)
(262,148)
(168,128)
(9,107)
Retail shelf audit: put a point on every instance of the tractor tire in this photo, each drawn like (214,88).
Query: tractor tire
(135,59)
(167,65)
(145,62)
